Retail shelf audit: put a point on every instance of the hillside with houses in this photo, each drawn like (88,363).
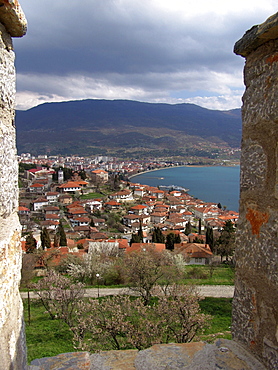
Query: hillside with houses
(97,208)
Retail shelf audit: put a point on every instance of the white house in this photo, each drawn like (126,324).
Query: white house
(52,196)
(70,187)
(194,253)
(39,203)
(122,196)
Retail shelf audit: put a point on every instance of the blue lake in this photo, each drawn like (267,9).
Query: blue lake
(211,184)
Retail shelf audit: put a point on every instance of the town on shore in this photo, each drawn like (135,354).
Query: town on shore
(96,203)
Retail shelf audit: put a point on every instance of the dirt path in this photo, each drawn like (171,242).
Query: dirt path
(225,291)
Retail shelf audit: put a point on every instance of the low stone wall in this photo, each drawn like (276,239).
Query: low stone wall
(255,308)
(223,354)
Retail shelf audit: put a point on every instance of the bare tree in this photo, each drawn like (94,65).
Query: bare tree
(146,268)
(120,322)
(180,312)
(59,296)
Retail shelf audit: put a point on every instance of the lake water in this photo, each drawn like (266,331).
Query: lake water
(217,184)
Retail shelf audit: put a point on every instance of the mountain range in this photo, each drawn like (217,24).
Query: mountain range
(126,128)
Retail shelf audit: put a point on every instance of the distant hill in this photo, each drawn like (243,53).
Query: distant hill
(88,127)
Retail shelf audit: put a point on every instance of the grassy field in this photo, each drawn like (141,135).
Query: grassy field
(203,275)
(91,196)
(221,311)
(46,337)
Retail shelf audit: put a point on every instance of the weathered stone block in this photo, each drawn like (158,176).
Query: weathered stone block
(223,354)
(255,312)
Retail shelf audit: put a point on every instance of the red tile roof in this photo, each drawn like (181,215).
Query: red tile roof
(52,216)
(40,200)
(138,247)
(139,206)
(113,203)
(21,208)
(99,171)
(36,185)
(70,184)
(194,250)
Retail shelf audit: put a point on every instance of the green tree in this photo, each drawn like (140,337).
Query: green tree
(140,232)
(56,240)
(157,236)
(198,240)
(62,235)
(226,241)
(172,239)
(45,239)
(200,226)
(25,166)
(135,238)
(210,238)
(188,228)
(82,174)
(31,243)
(67,173)
(114,182)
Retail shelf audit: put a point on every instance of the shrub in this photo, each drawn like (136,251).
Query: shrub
(197,273)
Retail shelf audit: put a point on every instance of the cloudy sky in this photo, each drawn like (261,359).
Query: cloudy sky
(168,51)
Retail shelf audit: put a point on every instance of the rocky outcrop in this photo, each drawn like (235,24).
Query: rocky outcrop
(224,354)
(255,309)
(12,339)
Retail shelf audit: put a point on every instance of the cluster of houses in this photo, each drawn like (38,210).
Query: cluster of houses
(103,163)
(140,207)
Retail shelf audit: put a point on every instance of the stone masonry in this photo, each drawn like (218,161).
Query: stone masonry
(12,338)
(255,309)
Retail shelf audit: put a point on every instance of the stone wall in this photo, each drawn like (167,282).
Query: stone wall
(12,339)
(255,309)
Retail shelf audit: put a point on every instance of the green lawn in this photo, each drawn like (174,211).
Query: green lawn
(221,311)
(46,337)
(91,196)
(201,275)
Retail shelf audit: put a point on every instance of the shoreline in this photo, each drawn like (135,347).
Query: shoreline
(185,165)
(230,200)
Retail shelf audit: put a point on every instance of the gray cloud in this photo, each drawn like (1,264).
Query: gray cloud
(142,50)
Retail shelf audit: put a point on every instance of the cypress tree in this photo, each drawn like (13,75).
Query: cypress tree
(56,241)
(31,243)
(45,239)
(135,239)
(188,228)
(210,238)
(200,226)
(157,236)
(62,234)
(140,232)
(170,241)
(177,239)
